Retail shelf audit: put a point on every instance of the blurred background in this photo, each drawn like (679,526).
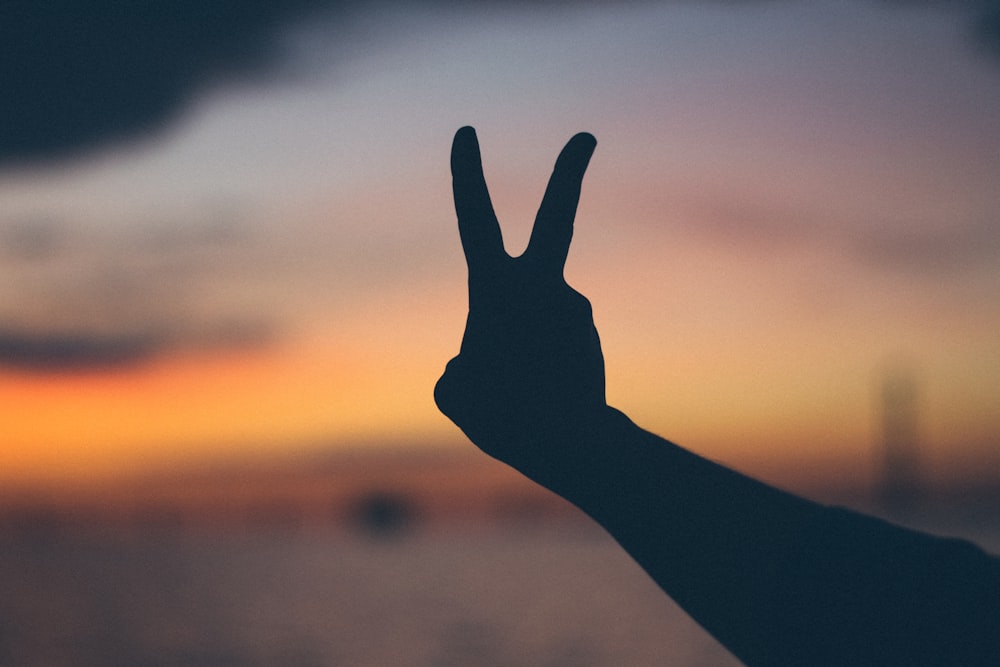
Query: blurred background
(230,276)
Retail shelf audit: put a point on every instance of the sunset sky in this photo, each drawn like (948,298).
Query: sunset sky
(790,201)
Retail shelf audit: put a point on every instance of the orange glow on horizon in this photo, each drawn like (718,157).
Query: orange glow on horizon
(725,373)
(191,408)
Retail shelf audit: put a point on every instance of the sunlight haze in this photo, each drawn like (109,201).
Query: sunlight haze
(787,201)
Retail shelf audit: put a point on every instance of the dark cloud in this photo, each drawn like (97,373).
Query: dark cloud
(984,18)
(987,28)
(78,74)
(70,351)
(73,351)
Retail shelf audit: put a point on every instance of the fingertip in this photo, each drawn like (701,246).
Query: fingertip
(585,139)
(583,144)
(464,149)
(578,152)
(465,135)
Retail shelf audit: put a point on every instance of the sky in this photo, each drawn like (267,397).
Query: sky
(238,241)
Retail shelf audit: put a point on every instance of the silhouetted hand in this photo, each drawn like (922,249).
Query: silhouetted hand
(530,370)
(778,579)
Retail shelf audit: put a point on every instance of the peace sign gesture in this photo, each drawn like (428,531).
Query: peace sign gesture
(530,367)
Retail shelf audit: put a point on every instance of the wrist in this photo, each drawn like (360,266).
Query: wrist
(576,455)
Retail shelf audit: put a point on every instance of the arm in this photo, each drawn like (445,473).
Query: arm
(775,578)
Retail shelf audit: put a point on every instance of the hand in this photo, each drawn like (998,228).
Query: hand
(530,370)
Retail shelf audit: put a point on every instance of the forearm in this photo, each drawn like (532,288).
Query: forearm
(776,578)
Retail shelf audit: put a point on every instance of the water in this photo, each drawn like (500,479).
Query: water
(545,596)
(487,597)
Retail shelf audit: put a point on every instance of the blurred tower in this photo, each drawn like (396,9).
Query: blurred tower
(899,483)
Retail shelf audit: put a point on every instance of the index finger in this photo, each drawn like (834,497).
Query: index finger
(553,230)
(477,222)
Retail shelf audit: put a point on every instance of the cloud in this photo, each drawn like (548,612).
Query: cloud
(73,298)
(69,351)
(987,28)
(73,351)
(742,222)
(943,249)
(928,248)
(81,74)
(77,76)
(984,18)
(29,240)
